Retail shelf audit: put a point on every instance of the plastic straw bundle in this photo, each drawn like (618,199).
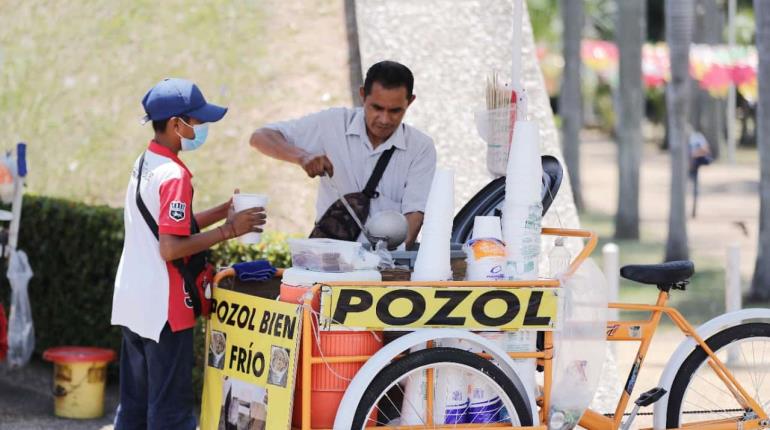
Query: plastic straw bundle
(495,124)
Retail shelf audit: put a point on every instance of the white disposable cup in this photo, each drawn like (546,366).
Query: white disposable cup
(242,201)
(487,227)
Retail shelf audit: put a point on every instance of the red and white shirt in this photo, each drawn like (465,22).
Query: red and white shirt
(148,290)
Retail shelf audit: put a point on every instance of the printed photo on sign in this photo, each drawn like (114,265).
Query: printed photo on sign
(217,347)
(176,210)
(279,364)
(244,406)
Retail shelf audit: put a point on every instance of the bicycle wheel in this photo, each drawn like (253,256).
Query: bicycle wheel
(697,393)
(385,398)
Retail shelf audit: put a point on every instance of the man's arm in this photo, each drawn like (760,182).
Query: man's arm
(273,144)
(414,219)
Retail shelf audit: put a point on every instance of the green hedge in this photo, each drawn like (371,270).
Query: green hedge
(74,250)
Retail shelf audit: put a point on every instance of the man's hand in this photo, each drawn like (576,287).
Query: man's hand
(317,165)
(246,221)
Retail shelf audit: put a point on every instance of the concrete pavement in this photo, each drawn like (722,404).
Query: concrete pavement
(26,401)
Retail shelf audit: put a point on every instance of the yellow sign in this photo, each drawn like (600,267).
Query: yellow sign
(472,308)
(251,357)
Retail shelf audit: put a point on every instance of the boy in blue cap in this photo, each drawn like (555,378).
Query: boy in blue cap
(162,270)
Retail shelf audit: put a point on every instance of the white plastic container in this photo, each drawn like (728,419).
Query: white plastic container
(242,201)
(486,260)
(559,259)
(297,277)
(326,255)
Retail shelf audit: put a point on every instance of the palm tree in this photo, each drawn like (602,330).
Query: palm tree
(354,53)
(631,26)
(760,284)
(679,24)
(706,112)
(570,99)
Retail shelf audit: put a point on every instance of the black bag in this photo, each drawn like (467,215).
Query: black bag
(191,270)
(337,222)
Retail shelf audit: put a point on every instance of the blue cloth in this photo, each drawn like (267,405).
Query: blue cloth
(250,271)
(156,391)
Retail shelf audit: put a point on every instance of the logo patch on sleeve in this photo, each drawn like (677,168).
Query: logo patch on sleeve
(176,210)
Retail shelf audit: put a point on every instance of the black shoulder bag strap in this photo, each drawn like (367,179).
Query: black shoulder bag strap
(379,169)
(188,277)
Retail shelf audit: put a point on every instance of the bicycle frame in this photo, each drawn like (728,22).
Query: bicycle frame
(643,332)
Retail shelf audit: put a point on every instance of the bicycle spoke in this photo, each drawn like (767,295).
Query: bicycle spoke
(704,397)
(406,398)
(751,374)
(718,387)
(447,409)
(377,408)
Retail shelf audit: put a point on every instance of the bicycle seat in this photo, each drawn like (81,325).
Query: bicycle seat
(665,275)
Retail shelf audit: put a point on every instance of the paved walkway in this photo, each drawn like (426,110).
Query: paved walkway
(728,205)
(26,402)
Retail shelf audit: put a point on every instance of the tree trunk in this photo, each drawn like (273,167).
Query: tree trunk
(354,53)
(630,32)
(707,112)
(570,99)
(679,23)
(760,284)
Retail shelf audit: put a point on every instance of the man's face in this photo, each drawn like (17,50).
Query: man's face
(384,108)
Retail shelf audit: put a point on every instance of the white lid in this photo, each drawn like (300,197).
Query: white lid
(307,278)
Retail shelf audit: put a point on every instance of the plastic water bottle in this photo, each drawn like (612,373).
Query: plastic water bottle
(559,259)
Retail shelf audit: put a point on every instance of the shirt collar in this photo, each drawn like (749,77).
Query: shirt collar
(161,150)
(357,127)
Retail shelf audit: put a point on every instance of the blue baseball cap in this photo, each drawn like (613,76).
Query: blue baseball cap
(177,97)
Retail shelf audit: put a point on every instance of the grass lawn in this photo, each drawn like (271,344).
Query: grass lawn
(72,76)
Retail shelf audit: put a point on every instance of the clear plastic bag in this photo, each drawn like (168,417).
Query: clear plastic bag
(21,331)
(580,345)
(496,128)
(384,257)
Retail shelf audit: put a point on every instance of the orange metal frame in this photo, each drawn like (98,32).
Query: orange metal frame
(617,331)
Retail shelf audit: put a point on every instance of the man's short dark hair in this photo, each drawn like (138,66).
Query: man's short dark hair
(389,74)
(160,125)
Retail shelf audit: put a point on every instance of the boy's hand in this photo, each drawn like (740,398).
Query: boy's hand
(247,221)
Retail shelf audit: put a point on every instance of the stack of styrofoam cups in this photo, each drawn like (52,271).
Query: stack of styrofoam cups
(521,224)
(522,210)
(433,262)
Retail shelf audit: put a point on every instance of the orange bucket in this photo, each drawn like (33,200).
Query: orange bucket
(328,381)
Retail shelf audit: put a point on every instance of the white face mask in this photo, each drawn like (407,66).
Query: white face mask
(201,133)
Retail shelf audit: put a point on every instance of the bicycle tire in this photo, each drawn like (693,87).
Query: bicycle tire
(394,371)
(698,357)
